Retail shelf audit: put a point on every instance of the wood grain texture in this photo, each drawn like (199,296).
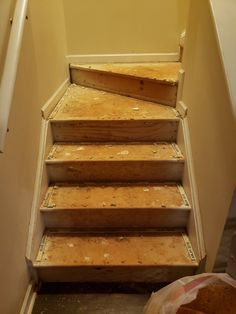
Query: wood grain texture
(122,258)
(161,71)
(115,162)
(83,103)
(147,274)
(86,114)
(73,152)
(115,131)
(115,206)
(146,89)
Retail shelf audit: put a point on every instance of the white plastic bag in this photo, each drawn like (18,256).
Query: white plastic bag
(183,291)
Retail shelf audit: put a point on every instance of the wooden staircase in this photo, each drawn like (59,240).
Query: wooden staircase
(115,210)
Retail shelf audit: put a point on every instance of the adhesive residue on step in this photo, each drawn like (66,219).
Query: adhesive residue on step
(106,255)
(124,152)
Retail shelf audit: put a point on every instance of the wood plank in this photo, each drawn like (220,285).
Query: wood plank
(82,103)
(115,162)
(114,131)
(86,114)
(146,89)
(72,152)
(147,274)
(162,71)
(108,258)
(115,206)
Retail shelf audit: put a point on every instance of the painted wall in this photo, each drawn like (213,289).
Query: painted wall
(125,26)
(41,71)
(211,124)
(225,15)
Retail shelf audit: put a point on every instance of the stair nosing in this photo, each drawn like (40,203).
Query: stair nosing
(84,120)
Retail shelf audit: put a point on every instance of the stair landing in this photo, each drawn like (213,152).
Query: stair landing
(83,103)
(87,114)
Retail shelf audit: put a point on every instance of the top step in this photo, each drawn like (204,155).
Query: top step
(161,72)
(155,82)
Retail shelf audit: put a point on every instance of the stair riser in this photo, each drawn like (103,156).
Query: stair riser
(107,274)
(106,219)
(146,89)
(116,171)
(109,131)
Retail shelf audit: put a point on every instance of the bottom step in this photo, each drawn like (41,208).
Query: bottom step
(156,257)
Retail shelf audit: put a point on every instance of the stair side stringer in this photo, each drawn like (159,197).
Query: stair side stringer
(194,227)
(36,226)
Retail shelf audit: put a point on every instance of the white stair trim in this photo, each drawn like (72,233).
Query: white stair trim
(123,58)
(54,99)
(29,300)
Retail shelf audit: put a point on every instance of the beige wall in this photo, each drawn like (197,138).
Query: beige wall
(211,123)
(225,15)
(125,26)
(42,69)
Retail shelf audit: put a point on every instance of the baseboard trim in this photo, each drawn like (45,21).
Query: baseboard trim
(29,300)
(36,226)
(124,58)
(194,190)
(53,100)
(182,109)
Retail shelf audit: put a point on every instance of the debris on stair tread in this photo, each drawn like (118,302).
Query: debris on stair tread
(113,152)
(117,195)
(83,103)
(76,249)
(166,72)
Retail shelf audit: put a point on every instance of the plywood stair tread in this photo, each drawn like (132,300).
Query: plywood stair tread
(115,196)
(83,103)
(77,250)
(69,152)
(162,72)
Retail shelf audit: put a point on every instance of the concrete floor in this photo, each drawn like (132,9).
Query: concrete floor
(92,299)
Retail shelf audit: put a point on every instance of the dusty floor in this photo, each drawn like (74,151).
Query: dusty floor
(92,299)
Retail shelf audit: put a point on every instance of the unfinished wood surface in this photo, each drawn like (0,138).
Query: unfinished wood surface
(120,258)
(114,131)
(86,114)
(116,274)
(115,206)
(114,152)
(161,71)
(145,88)
(82,103)
(115,162)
